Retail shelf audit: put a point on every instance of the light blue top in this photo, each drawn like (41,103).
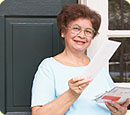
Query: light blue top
(51,80)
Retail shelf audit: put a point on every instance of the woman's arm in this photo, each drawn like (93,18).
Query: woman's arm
(60,105)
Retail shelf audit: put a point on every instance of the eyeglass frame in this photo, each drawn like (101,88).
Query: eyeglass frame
(91,35)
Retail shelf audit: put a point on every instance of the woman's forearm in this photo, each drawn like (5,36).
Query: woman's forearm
(59,106)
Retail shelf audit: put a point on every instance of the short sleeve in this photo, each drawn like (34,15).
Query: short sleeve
(43,89)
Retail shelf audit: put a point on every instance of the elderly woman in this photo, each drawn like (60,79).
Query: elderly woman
(57,87)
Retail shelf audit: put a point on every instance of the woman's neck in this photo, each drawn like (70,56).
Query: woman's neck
(68,57)
(74,55)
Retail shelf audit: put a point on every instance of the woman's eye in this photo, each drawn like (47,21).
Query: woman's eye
(89,31)
(76,28)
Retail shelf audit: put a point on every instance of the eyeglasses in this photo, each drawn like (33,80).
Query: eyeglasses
(76,29)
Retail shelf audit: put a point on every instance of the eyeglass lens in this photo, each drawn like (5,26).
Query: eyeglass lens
(76,29)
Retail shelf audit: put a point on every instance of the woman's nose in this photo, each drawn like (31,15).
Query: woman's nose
(82,34)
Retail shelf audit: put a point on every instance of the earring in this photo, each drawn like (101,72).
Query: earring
(62,35)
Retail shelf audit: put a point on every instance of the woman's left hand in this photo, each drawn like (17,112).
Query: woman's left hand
(117,109)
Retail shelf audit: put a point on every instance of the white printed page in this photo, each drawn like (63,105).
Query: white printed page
(100,59)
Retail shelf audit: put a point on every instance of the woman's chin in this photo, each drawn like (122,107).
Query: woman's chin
(80,50)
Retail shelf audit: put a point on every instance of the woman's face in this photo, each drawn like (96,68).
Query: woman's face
(78,35)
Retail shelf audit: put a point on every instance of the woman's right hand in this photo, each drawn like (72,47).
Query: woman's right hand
(78,84)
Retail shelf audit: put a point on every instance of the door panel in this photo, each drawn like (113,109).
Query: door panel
(27,44)
(30,42)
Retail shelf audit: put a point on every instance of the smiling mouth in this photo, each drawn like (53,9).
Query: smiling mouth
(79,42)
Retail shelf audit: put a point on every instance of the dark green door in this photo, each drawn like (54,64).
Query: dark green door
(28,35)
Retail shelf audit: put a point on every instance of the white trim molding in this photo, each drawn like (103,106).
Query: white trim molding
(118,33)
